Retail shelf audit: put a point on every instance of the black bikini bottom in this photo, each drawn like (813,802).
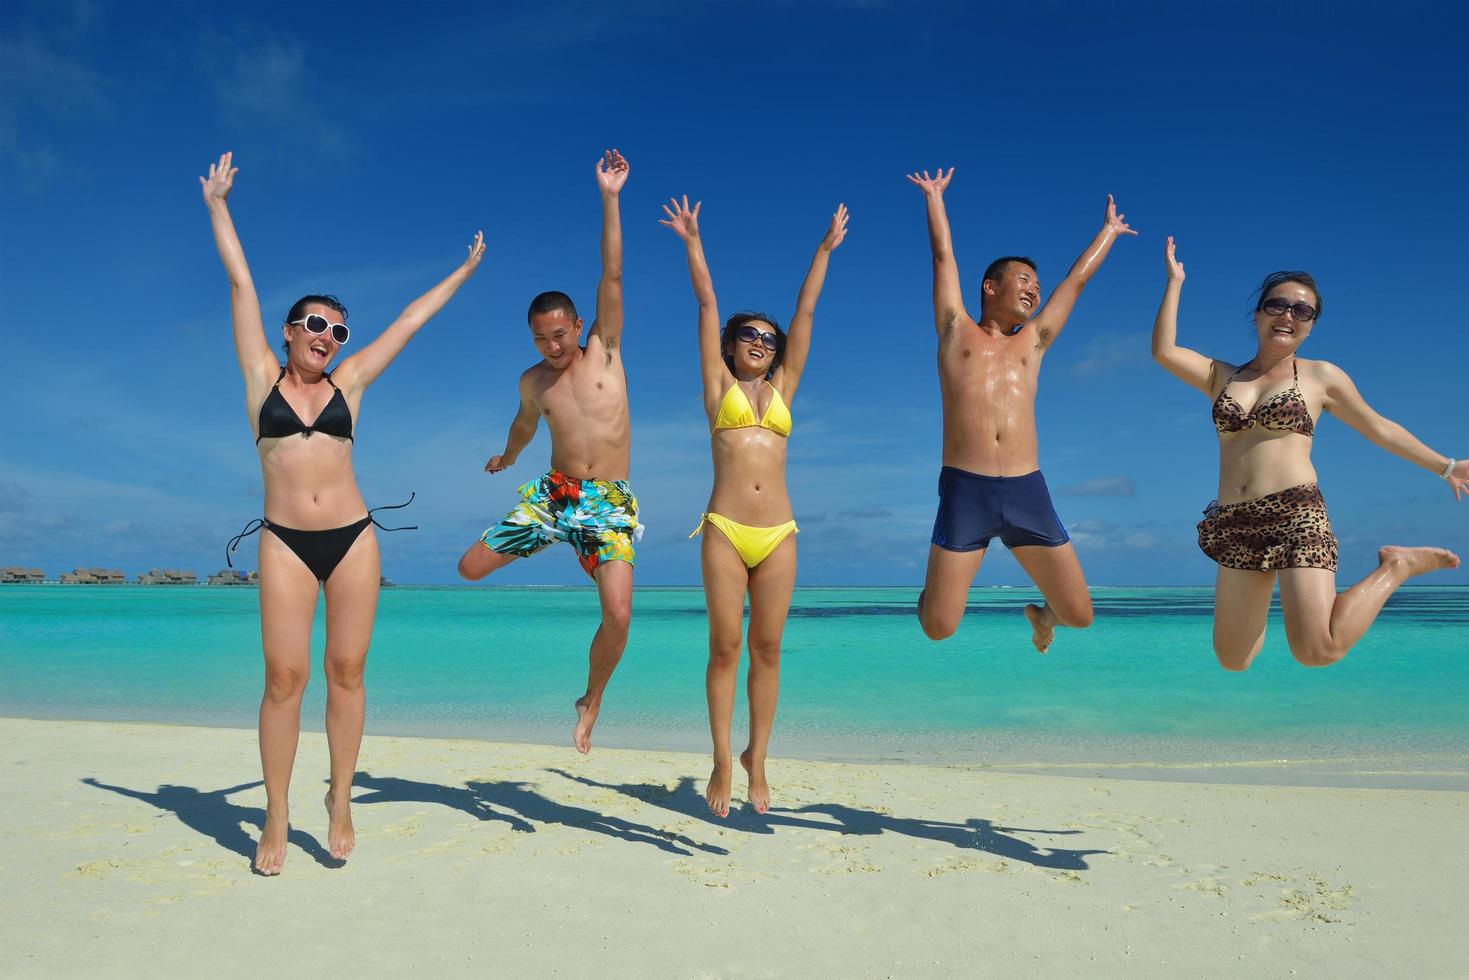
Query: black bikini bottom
(319,551)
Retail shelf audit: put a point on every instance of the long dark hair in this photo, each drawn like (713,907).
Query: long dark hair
(732,327)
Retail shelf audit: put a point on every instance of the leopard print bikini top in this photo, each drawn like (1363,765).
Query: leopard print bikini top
(1285,411)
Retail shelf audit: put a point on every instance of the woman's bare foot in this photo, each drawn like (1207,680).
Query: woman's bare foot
(1042,627)
(1417,561)
(270,853)
(759,794)
(717,795)
(340,837)
(586,717)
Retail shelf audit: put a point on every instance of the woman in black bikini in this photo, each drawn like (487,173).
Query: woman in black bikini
(316,519)
(1270,518)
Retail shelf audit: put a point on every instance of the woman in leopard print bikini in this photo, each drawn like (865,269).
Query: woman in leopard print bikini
(1270,518)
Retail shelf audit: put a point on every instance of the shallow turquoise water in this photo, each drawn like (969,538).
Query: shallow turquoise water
(859,680)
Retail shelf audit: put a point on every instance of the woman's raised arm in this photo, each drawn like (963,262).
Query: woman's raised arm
(363,368)
(798,337)
(257,361)
(1189,366)
(685,224)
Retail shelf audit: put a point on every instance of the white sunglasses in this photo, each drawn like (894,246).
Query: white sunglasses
(316,323)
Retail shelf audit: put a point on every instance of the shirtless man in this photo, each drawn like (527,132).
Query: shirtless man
(991,485)
(585,499)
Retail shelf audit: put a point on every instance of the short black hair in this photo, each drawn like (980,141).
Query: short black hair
(298,310)
(1284,276)
(997,268)
(549,302)
(732,327)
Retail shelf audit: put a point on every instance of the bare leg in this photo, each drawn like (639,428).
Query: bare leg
(1322,626)
(480,561)
(351,606)
(771,583)
(725,579)
(1241,607)
(1057,573)
(287,605)
(946,590)
(614,589)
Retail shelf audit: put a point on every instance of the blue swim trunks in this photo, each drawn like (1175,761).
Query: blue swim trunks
(974,508)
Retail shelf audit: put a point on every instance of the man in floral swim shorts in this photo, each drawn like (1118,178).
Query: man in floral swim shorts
(584,500)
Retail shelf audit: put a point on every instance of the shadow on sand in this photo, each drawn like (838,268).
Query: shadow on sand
(214,816)
(522,807)
(972,834)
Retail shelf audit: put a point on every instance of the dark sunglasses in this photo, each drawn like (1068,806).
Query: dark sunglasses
(1301,311)
(749,335)
(317,324)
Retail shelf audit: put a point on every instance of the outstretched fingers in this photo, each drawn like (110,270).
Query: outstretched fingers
(837,230)
(1175,267)
(1117,222)
(937,182)
(221,178)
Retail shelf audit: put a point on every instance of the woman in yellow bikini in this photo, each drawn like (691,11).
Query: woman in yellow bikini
(751,370)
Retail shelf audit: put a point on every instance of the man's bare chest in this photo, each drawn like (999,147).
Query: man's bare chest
(584,393)
(985,363)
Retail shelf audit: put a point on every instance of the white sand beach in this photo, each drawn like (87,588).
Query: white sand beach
(125,851)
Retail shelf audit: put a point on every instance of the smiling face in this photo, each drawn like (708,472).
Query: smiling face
(312,352)
(557,337)
(1013,296)
(752,357)
(1282,333)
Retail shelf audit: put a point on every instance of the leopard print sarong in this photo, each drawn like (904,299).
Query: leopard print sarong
(1287,529)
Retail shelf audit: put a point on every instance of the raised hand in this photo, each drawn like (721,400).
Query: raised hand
(476,252)
(1175,267)
(1458,478)
(934,184)
(611,171)
(683,220)
(221,179)
(837,230)
(1114,222)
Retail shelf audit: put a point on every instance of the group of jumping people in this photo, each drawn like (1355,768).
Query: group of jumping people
(1269,519)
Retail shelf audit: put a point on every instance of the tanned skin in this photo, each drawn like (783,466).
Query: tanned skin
(1321,625)
(310,485)
(749,487)
(582,394)
(988,370)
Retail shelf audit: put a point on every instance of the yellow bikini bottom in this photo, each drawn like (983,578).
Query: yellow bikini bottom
(754,544)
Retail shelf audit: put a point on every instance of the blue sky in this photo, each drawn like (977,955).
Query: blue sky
(373,143)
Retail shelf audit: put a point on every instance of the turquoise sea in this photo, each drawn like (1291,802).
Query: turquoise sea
(859,680)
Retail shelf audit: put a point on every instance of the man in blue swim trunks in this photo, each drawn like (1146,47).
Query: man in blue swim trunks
(584,500)
(991,484)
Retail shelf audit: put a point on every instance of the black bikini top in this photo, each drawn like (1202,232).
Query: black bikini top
(279,419)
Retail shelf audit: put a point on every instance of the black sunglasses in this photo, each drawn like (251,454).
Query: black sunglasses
(316,323)
(749,335)
(1303,312)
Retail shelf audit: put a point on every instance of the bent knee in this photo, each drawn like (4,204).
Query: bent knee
(1078,616)
(1316,654)
(936,629)
(472,570)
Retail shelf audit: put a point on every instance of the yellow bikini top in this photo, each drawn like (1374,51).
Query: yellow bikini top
(736,412)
